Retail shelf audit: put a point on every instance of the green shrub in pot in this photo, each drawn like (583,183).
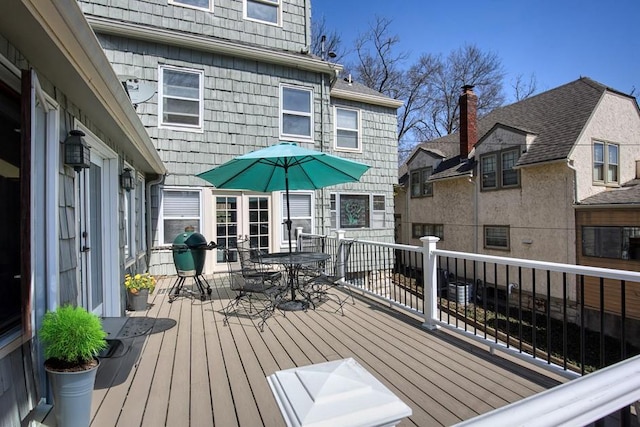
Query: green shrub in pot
(73,337)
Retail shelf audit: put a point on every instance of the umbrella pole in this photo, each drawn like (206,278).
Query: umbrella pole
(286,187)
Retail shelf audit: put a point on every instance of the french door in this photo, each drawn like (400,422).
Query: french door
(243,216)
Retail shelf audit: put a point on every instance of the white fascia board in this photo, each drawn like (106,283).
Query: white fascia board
(210,44)
(366,98)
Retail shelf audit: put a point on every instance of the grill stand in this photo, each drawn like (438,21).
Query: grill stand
(177,289)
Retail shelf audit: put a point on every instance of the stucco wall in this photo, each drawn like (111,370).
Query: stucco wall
(616,121)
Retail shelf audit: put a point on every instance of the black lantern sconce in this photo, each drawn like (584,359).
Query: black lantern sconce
(76,151)
(126,180)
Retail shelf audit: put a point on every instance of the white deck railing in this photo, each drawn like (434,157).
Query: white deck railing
(578,402)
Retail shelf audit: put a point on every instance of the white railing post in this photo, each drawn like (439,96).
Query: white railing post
(340,234)
(298,239)
(430,281)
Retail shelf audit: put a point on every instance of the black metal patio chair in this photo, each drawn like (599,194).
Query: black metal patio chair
(256,294)
(321,283)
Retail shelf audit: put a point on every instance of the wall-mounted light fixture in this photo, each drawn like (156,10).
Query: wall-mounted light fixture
(76,151)
(126,180)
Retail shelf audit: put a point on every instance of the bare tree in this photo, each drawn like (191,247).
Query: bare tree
(465,66)
(332,42)
(379,65)
(524,89)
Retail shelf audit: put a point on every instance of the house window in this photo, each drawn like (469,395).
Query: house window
(421,230)
(196,4)
(357,211)
(510,176)
(180,209)
(420,185)
(605,163)
(611,242)
(498,170)
(378,212)
(347,129)
(488,171)
(296,112)
(301,214)
(263,10)
(496,237)
(181,102)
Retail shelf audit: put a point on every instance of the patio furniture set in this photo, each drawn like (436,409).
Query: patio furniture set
(286,281)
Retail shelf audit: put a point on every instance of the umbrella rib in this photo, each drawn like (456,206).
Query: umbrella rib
(307,159)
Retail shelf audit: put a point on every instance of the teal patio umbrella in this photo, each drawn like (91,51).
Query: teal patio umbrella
(284,166)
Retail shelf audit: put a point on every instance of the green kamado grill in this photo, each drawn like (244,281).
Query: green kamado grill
(189,254)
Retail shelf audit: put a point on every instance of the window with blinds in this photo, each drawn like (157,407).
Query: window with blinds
(180,209)
(496,237)
(300,211)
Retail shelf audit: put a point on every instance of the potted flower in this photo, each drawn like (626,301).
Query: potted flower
(72,339)
(138,288)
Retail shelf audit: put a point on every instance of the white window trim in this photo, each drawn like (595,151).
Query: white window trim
(161,218)
(275,24)
(293,137)
(174,126)
(605,163)
(189,6)
(371,196)
(336,128)
(284,239)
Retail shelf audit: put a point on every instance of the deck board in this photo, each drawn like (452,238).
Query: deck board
(201,372)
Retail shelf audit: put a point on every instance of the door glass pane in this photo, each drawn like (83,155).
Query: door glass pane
(95,234)
(226,224)
(259,223)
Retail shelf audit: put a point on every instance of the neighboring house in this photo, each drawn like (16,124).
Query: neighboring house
(69,231)
(526,178)
(214,80)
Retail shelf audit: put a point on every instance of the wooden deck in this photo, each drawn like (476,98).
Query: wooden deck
(180,366)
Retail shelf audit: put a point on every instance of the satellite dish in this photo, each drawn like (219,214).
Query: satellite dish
(138,90)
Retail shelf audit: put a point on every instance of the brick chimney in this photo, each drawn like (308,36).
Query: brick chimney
(468,121)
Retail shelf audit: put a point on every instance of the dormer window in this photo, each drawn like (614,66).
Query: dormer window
(497,169)
(420,185)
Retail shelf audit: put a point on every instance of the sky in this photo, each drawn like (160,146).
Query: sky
(557,41)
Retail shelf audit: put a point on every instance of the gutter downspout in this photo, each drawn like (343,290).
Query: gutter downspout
(148,185)
(474,182)
(307,24)
(322,95)
(575,202)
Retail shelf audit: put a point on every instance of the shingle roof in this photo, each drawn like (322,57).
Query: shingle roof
(343,84)
(557,117)
(628,194)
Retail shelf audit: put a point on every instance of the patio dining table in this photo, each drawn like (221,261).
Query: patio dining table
(293,262)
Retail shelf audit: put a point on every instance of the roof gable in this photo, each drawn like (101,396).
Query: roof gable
(557,117)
